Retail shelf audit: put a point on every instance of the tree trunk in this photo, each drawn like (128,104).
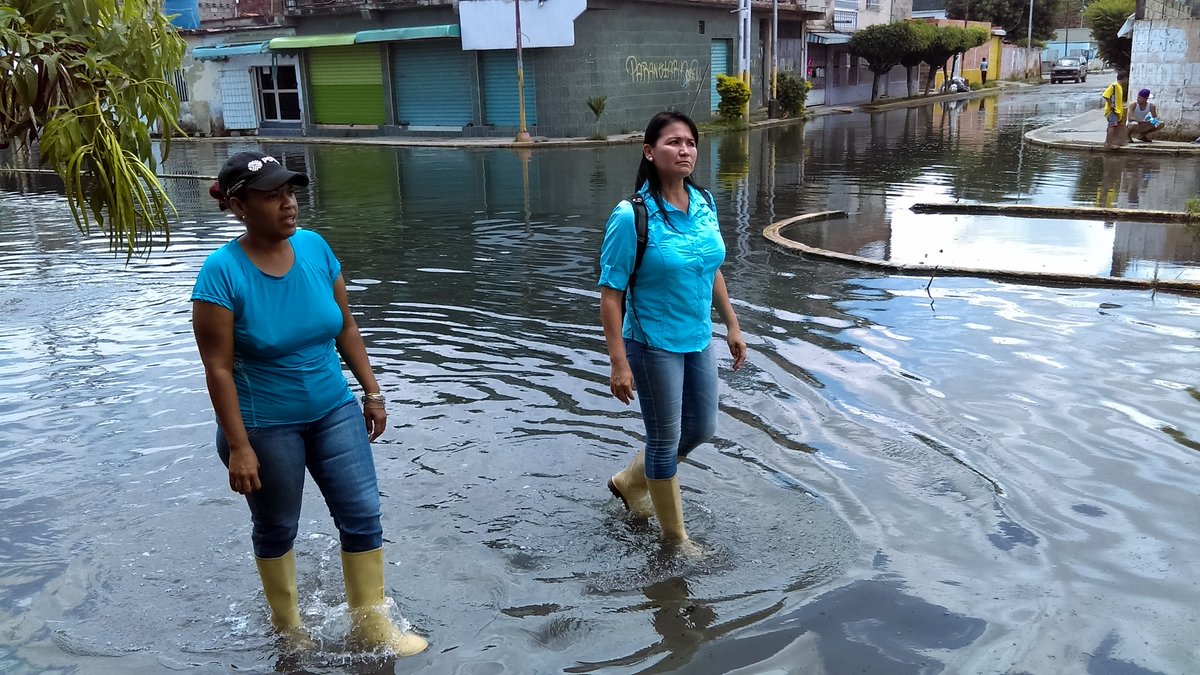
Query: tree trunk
(908,79)
(932,76)
(875,77)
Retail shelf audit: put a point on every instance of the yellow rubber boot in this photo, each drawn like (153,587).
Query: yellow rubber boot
(370,626)
(629,485)
(279,585)
(668,504)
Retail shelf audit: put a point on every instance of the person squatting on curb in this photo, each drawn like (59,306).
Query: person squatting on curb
(1114,111)
(657,319)
(1143,118)
(271,315)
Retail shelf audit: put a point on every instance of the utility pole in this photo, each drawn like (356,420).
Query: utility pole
(774,49)
(1029,43)
(523,133)
(744,50)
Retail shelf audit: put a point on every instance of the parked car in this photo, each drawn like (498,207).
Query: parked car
(1070,68)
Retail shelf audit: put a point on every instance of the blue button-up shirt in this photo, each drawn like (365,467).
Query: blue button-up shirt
(670,305)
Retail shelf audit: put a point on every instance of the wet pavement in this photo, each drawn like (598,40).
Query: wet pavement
(1086,131)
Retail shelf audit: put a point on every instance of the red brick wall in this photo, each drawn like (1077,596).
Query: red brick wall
(260,7)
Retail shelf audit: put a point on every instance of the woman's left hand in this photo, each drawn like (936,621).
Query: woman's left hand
(376,416)
(737,347)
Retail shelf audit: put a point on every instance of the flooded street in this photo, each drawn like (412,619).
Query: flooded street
(974,477)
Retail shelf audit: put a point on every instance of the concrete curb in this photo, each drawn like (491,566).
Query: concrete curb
(940,98)
(775,234)
(1066,135)
(1032,211)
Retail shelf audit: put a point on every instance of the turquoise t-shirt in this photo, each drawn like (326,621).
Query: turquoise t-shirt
(670,305)
(285,364)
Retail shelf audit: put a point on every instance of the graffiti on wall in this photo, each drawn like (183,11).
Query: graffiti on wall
(686,71)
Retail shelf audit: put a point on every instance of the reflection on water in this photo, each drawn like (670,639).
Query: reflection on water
(989,477)
(1031,245)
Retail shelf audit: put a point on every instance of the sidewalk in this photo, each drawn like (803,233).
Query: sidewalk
(1086,132)
(546,142)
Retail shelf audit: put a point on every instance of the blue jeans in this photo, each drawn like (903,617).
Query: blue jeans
(336,451)
(678,397)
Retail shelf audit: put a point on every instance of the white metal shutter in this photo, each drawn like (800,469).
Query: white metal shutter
(237,99)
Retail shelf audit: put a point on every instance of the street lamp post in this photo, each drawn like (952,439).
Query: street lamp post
(523,133)
(1028,43)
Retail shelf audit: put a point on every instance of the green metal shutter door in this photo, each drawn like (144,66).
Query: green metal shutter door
(433,83)
(500,89)
(720,66)
(347,85)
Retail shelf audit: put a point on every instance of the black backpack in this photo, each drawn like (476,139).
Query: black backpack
(641,224)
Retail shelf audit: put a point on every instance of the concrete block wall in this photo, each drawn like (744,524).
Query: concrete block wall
(1166,60)
(1169,9)
(642,70)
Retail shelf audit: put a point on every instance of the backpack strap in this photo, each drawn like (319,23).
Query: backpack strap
(641,224)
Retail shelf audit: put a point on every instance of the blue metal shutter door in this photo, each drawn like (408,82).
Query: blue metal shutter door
(720,66)
(432,83)
(500,89)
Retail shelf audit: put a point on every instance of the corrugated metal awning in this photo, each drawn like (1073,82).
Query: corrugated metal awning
(828,38)
(411,33)
(310,41)
(214,52)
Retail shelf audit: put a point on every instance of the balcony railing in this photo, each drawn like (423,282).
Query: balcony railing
(302,7)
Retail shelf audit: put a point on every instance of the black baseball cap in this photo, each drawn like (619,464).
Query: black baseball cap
(255,171)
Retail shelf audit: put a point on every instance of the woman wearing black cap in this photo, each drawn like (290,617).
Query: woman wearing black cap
(271,315)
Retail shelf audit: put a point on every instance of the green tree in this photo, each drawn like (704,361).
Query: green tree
(925,33)
(968,39)
(1011,15)
(883,46)
(83,86)
(945,42)
(1105,18)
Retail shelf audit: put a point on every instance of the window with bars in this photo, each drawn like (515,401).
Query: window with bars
(278,93)
(873,4)
(177,80)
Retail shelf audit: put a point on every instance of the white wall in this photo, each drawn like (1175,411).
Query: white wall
(1166,60)
(203,112)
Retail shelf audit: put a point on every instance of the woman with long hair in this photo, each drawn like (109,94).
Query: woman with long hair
(657,318)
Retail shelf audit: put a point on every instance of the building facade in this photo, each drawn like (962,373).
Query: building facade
(839,77)
(400,67)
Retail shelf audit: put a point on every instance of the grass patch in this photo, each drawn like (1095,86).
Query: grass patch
(1193,209)
(718,126)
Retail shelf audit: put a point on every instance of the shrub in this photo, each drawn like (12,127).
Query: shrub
(735,94)
(1105,18)
(793,92)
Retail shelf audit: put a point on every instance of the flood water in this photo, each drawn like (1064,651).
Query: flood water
(968,476)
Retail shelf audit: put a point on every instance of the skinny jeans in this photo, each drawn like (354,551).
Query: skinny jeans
(677,393)
(335,450)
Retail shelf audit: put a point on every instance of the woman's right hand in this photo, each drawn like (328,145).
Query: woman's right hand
(620,383)
(243,471)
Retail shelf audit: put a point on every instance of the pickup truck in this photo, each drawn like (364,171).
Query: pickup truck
(1069,68)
